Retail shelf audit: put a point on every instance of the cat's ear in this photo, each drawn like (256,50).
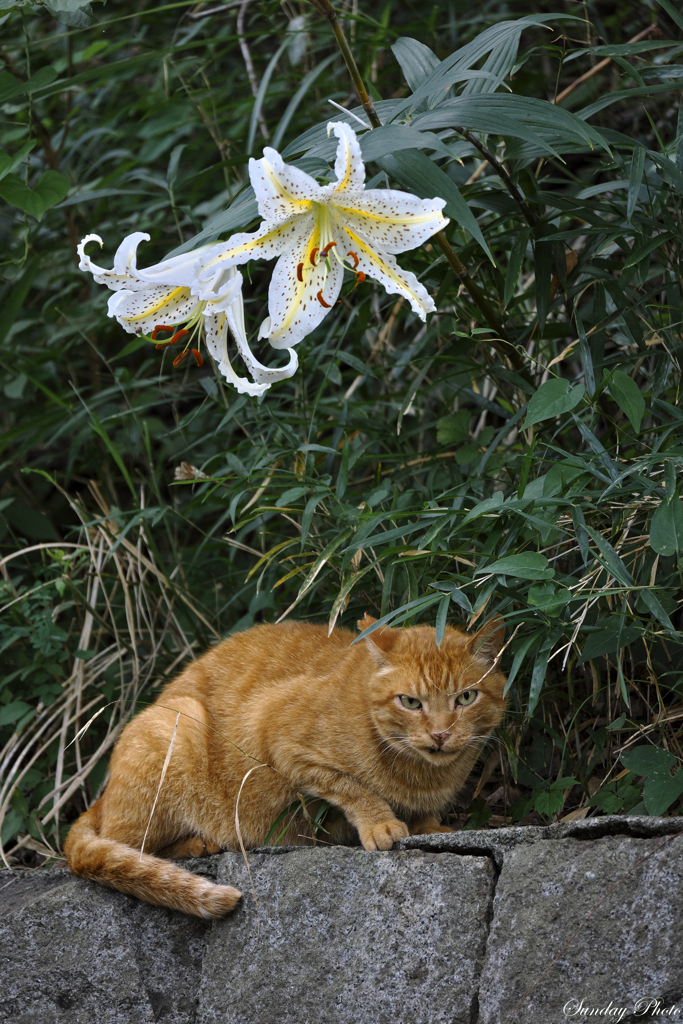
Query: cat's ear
(379,643)
(486,643)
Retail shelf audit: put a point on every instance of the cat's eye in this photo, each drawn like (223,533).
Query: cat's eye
(466,697)
(412,703)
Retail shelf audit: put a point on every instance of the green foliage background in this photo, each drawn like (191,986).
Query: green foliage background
(432,473)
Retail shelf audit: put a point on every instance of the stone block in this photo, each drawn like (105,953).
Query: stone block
(631,948)
(73,952)
(342,936)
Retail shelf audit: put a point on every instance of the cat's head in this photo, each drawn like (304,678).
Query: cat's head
(431,702)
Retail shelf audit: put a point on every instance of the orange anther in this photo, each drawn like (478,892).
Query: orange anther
(355,257)
(198,357)
(172,341)
(327,248)
(161,327)
(300,272)
(179,358)
(314,252)
(360,277)
(321,300)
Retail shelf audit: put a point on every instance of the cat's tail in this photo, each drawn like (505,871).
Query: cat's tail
(147,877)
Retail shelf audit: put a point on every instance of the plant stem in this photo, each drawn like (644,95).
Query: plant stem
(503,174)
(328,11)
(501,343)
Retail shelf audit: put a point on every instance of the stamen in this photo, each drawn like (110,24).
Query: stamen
(321,300)
(179,358)
(198,357)
(176,337)
(355,257)
(327,249)
(300,272)
(313,255)
(161,327)
(360,277)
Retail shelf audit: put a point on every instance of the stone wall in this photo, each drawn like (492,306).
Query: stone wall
(448,929)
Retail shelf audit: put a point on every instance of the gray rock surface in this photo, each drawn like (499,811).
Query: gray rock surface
(347,936)
(74,951)
(447,929)
(630,948)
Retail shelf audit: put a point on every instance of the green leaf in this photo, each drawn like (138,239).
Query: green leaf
(416,60)
(441,615)
(547,598)
(612,637)
(11,87)
(52,187)
(611,559)
(661,790)
(565,783)
(392,138)
(635,181)
(454,429)
(420,175)
(515,263)
(548,803)
(645,759)
(488,505)
(654,605)
(628,397)
(553,398)
(13,712)
(666,528)
(539,670)
(528,566)
(74,13)
(8,163)
(646,248)
(15,192)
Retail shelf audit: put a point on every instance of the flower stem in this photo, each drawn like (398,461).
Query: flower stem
(328,11)
(502,343)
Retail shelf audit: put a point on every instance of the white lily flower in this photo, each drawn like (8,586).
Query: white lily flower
(319,230)
(168,295)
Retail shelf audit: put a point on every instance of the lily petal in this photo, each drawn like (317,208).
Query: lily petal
(264,244)
(124,274)
(348,166)
(139,312)
(282,191)
(216,335)
(302,290)
(383,268)
(389,220)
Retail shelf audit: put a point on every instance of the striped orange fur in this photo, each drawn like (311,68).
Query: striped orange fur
(386,731)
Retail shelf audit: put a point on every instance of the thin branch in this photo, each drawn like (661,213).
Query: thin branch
(246,54)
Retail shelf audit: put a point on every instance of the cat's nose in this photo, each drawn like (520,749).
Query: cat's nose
(440,737)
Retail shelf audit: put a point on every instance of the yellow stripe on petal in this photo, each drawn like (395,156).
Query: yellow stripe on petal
(175,293)
(393,279)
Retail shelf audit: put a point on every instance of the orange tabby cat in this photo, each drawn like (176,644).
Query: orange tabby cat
(387,731)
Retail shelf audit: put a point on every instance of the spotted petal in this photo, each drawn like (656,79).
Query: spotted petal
(264,244)
(124,274)
(389,220)
(141,311)
(301,291)
(396,281)
(282,191)
(348,166)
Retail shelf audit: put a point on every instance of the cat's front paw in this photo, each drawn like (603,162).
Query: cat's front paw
(381,835)
(429,827)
